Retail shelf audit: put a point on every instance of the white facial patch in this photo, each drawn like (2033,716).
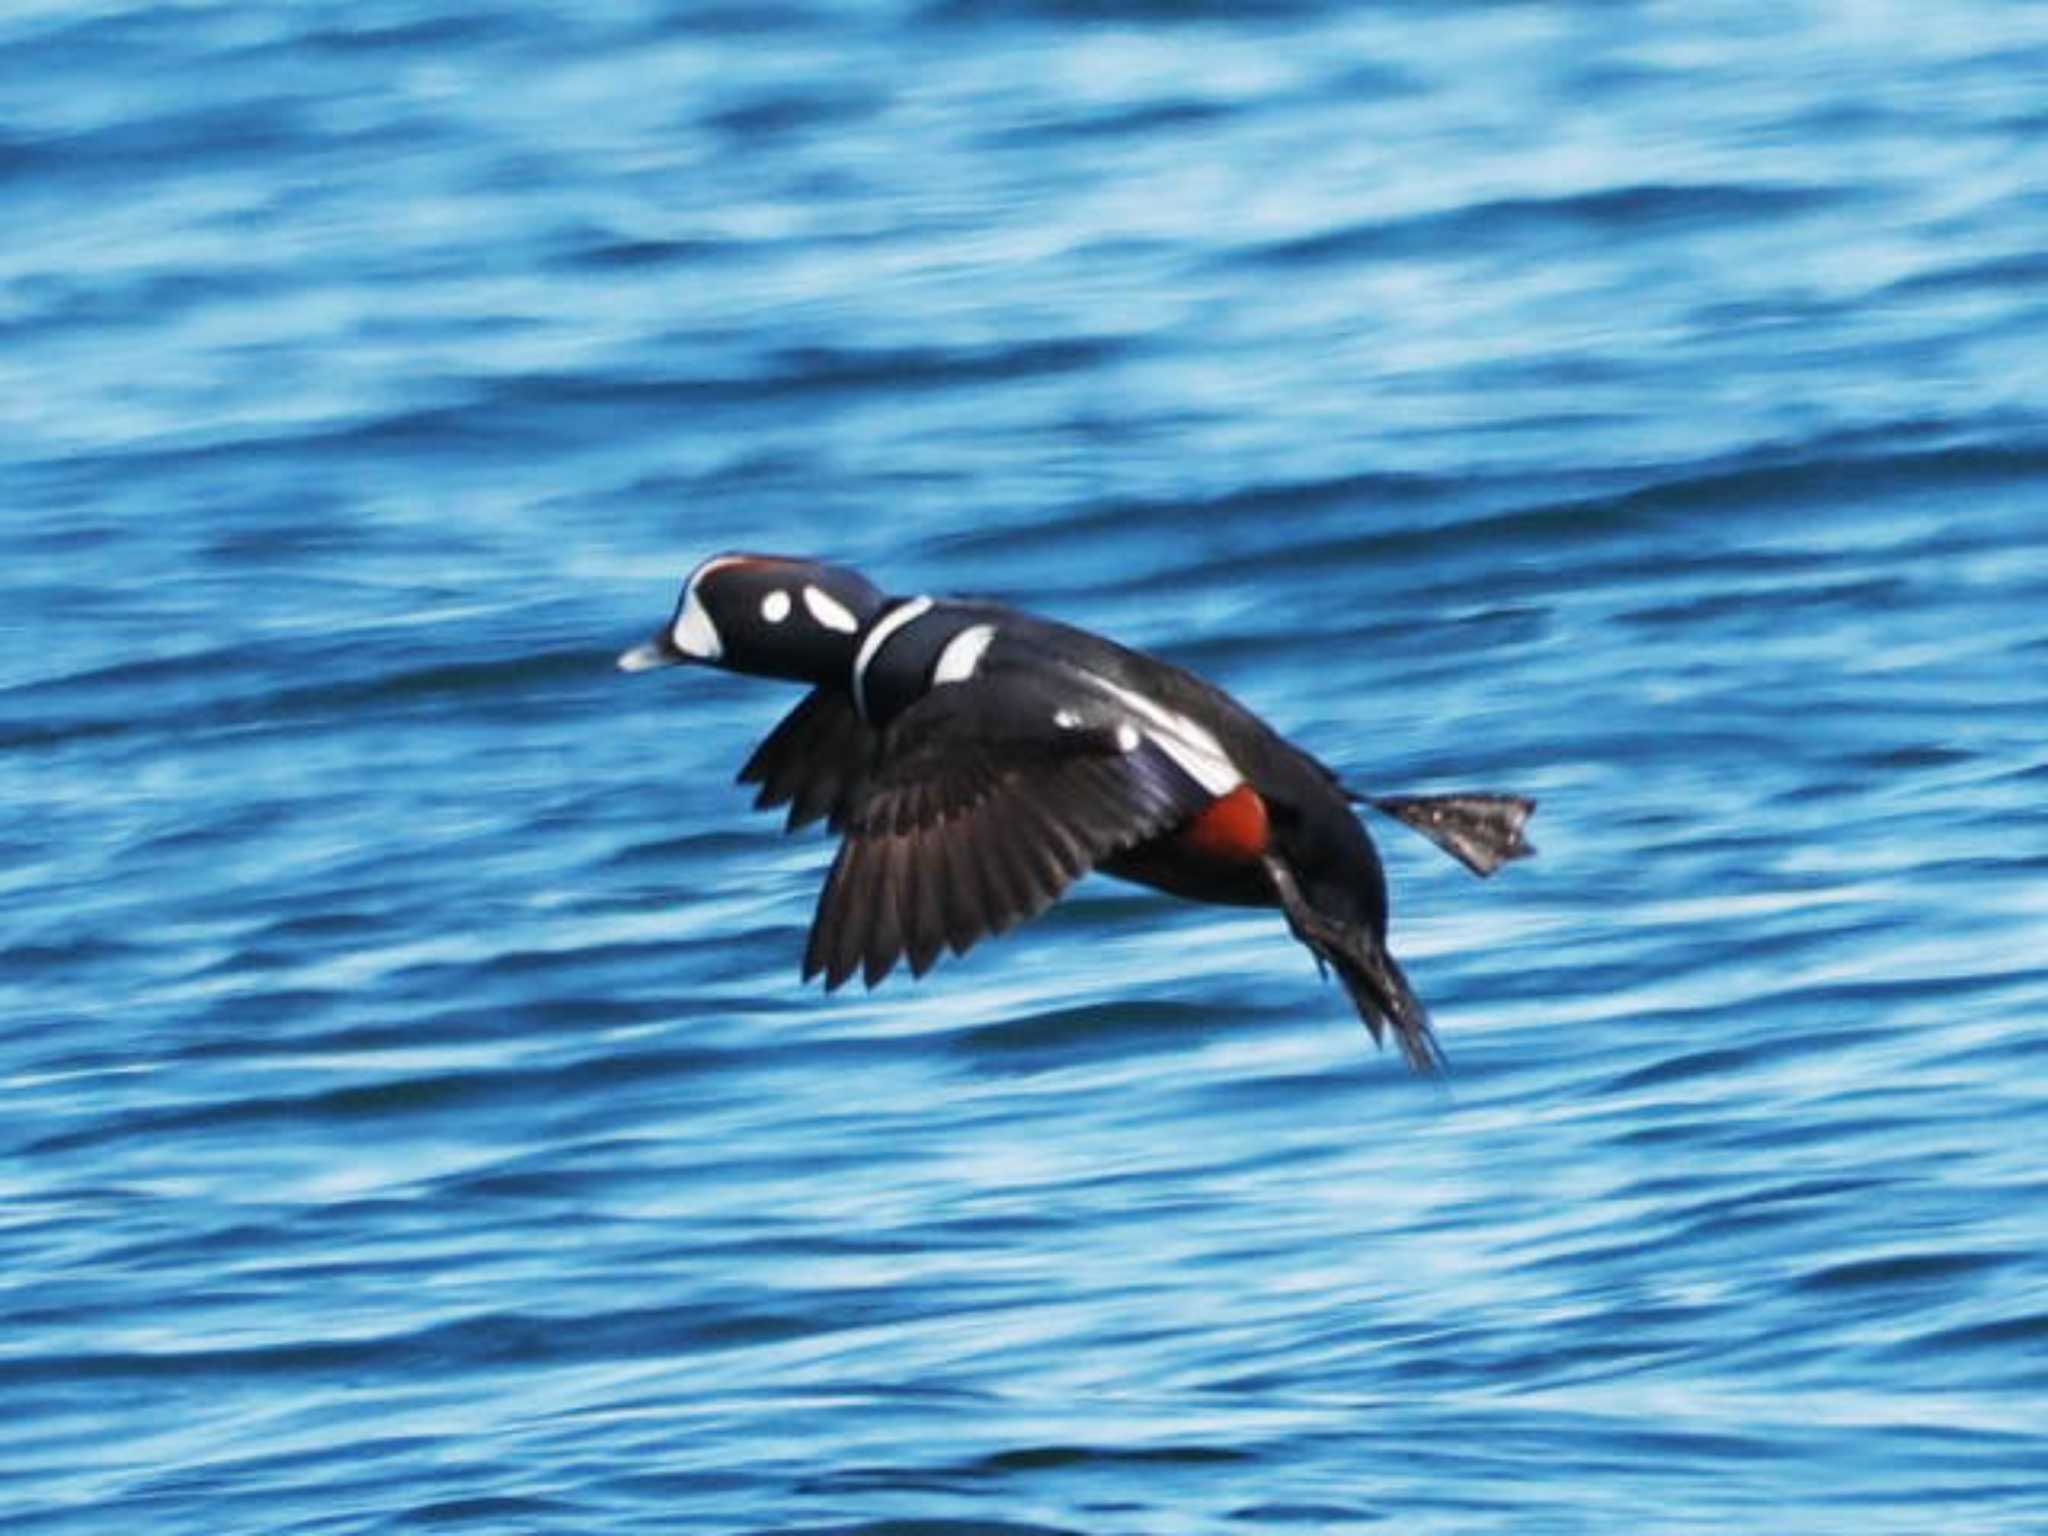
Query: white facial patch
(694,633)
(1196,752)
(1066,719)
(1127,737)
(775,606)
(829,611)
(962,654)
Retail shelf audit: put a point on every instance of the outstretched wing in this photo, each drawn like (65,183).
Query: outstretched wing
(977,807)
(814,761)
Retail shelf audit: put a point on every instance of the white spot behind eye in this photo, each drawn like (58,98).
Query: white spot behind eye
(1066,719)
(775,606)
(829,611)
(1127,737)
(962,654)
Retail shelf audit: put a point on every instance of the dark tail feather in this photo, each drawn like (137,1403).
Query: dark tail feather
(1378,989)
(1481,831)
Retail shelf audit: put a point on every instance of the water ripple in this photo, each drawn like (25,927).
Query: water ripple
(415,1116)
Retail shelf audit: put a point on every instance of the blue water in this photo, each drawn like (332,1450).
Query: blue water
(410,1118)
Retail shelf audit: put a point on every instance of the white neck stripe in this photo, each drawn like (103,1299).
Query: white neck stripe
(881,630)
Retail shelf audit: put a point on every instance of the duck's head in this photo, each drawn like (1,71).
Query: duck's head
(766,615)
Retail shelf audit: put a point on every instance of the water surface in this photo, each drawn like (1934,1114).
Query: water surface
(413,1119)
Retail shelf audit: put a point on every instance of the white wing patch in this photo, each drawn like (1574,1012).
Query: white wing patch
(1196,752)
(962,655)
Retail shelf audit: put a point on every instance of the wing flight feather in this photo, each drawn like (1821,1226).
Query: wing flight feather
(969,813)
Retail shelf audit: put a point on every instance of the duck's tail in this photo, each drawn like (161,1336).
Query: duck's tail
(1385,1001)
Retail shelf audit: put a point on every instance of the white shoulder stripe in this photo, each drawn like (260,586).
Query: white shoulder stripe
(881,630)
(962,654)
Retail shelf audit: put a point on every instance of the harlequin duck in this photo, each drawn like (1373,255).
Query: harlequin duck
(977,760)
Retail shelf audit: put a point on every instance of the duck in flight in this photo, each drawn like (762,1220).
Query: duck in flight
(976,760)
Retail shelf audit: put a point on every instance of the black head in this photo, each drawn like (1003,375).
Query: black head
(765,615)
